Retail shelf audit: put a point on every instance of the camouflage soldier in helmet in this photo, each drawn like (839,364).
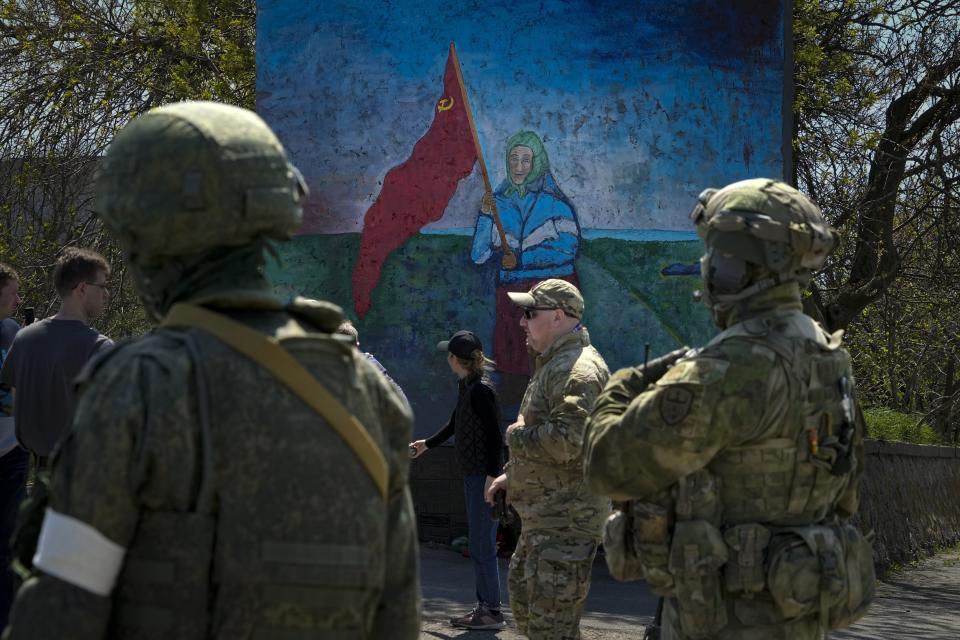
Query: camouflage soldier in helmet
(203,491)
(747,453)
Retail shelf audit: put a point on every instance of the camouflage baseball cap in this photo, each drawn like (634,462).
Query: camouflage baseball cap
(552,294)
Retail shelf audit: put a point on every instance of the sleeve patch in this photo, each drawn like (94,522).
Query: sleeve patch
(675,404)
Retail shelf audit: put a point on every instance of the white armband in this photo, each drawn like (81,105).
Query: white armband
(77,553)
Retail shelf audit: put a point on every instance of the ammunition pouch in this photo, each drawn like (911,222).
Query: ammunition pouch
(636,542)
(824,570)
(622,561)
(820,570)
(697,553)
(745,572)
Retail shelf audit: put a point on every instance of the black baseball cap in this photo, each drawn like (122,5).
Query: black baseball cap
(461,344)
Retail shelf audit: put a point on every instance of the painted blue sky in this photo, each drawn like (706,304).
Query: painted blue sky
(640,104)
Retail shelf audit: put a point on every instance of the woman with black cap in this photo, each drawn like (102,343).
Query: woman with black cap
(479,445)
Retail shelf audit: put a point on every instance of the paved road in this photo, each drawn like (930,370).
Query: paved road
(614,610)
(922,602)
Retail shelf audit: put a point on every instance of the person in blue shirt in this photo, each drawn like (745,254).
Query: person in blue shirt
(541,228)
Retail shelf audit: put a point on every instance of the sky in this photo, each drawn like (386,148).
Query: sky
(640,104)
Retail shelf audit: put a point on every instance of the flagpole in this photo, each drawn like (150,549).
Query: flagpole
(509,259)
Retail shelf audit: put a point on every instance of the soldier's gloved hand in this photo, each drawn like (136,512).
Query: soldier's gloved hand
(658,367)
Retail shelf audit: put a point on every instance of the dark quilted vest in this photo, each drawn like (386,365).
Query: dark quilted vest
(475,444)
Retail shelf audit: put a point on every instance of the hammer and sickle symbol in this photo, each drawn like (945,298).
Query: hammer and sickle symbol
(445,104)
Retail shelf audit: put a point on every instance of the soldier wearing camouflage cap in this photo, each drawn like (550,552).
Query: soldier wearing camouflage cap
(240,472)
(746,454)
(550,569)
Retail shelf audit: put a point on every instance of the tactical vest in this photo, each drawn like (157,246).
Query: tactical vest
(797,477)
(756,541)
(287,540)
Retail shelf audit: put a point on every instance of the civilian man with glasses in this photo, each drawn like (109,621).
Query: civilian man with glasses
(47,356)
(562,522)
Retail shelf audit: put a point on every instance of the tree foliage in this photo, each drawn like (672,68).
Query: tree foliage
(72,72)
(878,146)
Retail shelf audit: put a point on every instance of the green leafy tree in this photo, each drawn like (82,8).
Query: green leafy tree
(877,144)
(72,72)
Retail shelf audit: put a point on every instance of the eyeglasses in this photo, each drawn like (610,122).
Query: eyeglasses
(531,312)
(98,284)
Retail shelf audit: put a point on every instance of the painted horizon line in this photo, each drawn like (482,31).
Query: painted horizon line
(635,235)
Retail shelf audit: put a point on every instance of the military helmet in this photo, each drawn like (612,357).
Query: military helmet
(188,177)
(758,233)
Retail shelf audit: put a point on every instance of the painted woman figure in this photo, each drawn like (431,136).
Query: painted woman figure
(542,230)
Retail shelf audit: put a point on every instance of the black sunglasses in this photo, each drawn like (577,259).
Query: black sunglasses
(531,312)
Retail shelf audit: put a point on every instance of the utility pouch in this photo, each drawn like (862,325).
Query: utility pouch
(636,542)
(651,543)
(162,591)
(744,571)
(656,569)
(696,556)
(861,584)
(823,570)
(622,561)
(698,497)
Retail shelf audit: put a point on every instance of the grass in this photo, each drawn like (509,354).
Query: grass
(890,425)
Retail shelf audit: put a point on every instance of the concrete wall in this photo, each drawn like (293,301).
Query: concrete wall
(910,498)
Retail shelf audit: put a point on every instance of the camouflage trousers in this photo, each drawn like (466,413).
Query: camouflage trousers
(745,622)
(549,579)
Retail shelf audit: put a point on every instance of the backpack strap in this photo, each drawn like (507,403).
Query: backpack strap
(267,352)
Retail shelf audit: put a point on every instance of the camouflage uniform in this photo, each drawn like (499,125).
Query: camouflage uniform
(230,508)
(550,569)
(750,447)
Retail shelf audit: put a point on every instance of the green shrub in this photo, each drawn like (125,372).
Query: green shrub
(887,424)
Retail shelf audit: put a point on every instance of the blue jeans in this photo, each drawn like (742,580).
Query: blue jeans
(13,487)
(482,536)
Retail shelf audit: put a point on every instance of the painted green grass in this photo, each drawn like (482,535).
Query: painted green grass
(430,288)
(432,282)
(636,267)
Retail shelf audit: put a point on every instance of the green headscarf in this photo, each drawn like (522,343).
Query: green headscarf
(541,164)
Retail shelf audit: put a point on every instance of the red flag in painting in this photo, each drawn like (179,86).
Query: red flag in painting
(417,191)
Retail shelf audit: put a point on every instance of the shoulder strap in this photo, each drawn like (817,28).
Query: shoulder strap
(267,352)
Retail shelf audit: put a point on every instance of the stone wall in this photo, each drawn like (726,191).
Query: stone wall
(910,498)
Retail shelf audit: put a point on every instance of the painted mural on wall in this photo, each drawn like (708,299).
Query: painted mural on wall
(560,139)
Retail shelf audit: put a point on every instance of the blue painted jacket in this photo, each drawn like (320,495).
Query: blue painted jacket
(541,228)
